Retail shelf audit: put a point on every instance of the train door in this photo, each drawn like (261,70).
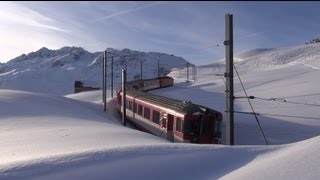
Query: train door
(170,127)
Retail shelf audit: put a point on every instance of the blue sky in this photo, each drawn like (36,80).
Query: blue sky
(190,29)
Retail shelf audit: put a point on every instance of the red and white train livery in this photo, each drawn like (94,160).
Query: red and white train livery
(175,120)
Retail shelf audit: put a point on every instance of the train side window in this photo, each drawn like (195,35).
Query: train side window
(140,109)
(156,117)
(179,125)
(146,113)
(127,103)
(134,107)
(130,105)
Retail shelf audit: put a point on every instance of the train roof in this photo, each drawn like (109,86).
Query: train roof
(185,107)
(150,79)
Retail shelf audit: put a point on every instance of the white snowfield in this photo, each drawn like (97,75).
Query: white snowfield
(52,137)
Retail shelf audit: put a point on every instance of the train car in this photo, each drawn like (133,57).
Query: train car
(175,120)
(151,84)
(166,81)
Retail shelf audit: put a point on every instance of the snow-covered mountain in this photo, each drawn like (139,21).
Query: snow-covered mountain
(55,71)
(304,54)
(262,59)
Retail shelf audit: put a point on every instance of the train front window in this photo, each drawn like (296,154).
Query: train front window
(196,127)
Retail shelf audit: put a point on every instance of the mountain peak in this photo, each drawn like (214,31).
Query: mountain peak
(55,71)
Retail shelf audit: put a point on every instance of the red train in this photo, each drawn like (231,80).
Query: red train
(175,120)
(150,84)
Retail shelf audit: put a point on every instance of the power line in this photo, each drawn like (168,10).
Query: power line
(280,100)
(255,115)
(280,115)
(286,101)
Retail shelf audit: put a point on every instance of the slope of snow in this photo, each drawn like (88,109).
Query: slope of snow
(294,161)
(262,59)
(252,52)
(303,54)
(52,137)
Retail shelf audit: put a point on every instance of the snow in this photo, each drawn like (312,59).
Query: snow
(48,136)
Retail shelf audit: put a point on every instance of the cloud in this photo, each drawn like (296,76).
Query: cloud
(11,13)
(23,30)
(128,11)
(256,34)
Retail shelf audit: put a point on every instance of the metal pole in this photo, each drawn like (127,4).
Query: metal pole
(158,69)
(140,69)
(106,74)
(229,80)
(112,77)
(187,72)
(104,82)
(124,81)
(195,73)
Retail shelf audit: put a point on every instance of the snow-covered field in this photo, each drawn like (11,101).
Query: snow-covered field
(46,136)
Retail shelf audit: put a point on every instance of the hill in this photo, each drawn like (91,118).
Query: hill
(53,137)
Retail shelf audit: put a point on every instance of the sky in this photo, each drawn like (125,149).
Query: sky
(192,30)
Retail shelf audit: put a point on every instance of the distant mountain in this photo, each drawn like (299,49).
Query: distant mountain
(55,71)
(306,55)
(252,52)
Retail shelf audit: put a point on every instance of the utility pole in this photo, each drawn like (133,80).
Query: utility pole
(124,83)
(195,73)
(187,72)
(229,80)
(106,58)
(104,81)
(111,76)
(158,69)
(141,70)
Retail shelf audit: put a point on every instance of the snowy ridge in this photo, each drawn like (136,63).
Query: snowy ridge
(252,52)
(260,59)
(305,54)
(54,71)
(294,161)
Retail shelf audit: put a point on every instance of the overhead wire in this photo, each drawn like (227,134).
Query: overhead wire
(286,101)
(280,115)
(255,115)
(279,100)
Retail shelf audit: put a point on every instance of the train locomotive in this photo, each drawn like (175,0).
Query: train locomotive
(175,120)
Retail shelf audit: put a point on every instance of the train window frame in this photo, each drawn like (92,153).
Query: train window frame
(146,113)
(134,107)
(127,103)
(179,124)
(156,117)
(130,105)
(140,109)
